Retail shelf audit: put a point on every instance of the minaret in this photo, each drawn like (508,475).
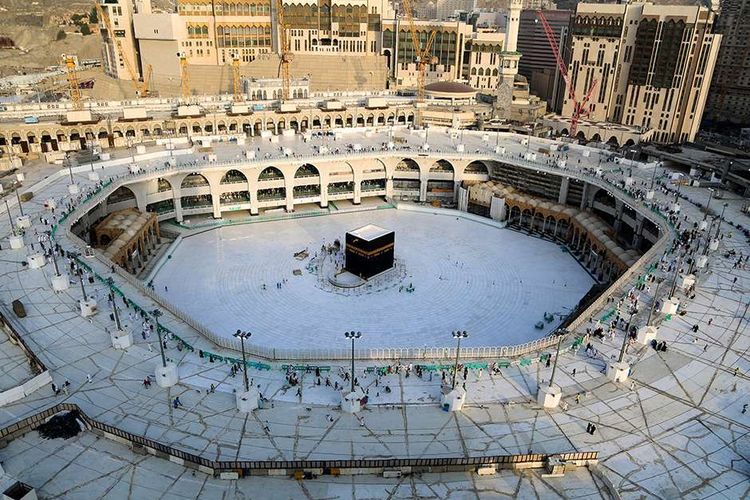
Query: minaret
(509,58)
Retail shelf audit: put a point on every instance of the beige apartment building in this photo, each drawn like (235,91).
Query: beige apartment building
(120,14)
(336,26)
(653,64)
(448,49)
(484,60)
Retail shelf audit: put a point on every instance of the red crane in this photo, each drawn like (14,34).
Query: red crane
(580,108)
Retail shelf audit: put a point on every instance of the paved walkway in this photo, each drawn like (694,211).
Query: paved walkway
(678,432)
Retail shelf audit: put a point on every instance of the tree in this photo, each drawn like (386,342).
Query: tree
(60,35)
(93,16)
(85,30)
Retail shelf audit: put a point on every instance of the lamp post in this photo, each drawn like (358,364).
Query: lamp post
(156,313)
(353,336)
(18,197)
(721,217)
(70,167)
(557,356)
(239,334)
(83,288)
(710,195)
(458,335)
(653,178)
(653,304)
(674,278)
(111,283)
(10,218)
(625,340)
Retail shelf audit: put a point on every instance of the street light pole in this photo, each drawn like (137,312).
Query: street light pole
(10,218)
(557,356)
(113,296)
(653,303)
(83,289)
(353,335)
(710,195)
(18,197)
(653,177)
(721,217)
(458,335)
(674,278)
(242,336)
(70,168)
(156,313)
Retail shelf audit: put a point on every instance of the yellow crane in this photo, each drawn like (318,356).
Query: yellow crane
(141,87)
(70,70)
(236,82)
(422,56)
(184,76)
(286,53)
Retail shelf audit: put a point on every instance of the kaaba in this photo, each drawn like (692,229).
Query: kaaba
(369,251)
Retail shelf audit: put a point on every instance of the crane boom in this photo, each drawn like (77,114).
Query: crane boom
(579,107)
(141,88)
(236,82)
(286,55)
(75,90)
(421,54)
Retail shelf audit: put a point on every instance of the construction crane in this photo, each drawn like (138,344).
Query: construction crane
(236,83)
(422,54)
(580,107)
(286,52)
(141,87)
(184,76)
(70,70)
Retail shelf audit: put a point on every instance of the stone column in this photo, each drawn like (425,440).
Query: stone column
(563,195)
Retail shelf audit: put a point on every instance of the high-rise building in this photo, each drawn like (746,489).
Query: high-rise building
(729,100)
(336,26)
(538,63)
(653,64)
(120,14)
(448,48)
(445,9)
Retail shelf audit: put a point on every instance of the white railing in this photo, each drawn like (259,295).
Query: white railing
(426,353)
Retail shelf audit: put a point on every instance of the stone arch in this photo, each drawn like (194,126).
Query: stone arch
(120,195)
(442,166)
(233,176)
(612,141)
(270,173)
(605,198)
(407,165)
(163,185)
(477,167)
(581,136)
(596,138)
(564,132)
(194,180)
(629,143)
(306,170)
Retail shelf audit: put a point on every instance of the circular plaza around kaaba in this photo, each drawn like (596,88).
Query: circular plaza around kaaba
(452,272)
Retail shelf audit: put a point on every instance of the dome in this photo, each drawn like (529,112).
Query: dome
(450,90)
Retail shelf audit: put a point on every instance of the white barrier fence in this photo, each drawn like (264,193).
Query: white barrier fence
(389,353)
(25,389)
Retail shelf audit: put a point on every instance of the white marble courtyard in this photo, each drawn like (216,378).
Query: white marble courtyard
(678,432)
(493,282)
